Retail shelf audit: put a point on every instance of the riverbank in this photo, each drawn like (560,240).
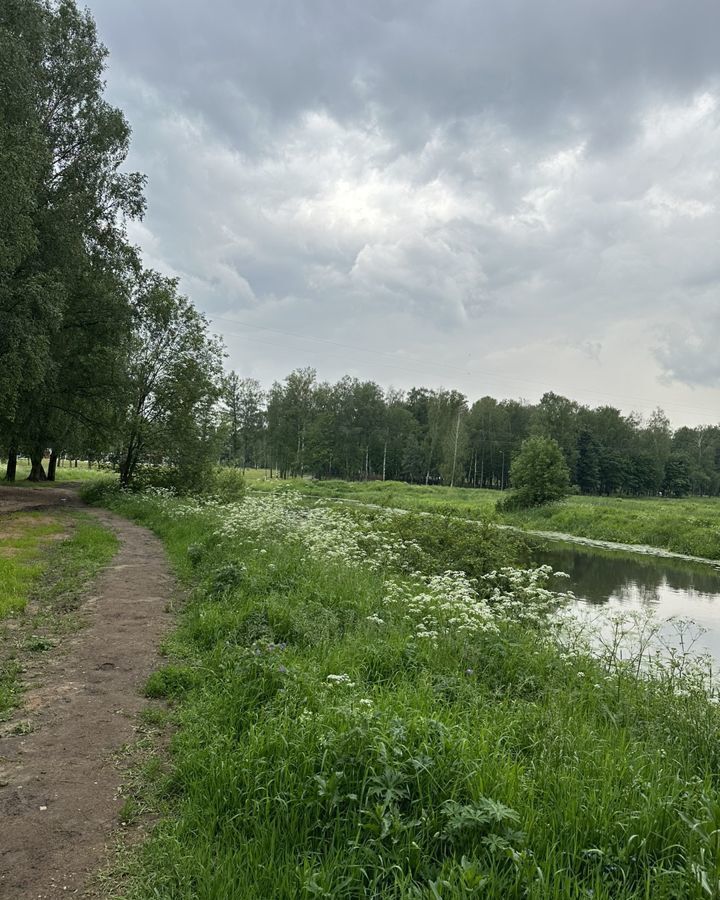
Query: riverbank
(355,723)
(689,526)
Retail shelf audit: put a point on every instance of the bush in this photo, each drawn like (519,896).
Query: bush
(538,475)
(100,492)
(227,484)
(223,483)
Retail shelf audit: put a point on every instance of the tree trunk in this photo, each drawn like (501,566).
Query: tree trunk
(11,464)
(52,465)
(457,435)
(37,473)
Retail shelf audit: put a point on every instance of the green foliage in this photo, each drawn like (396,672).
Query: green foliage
(173,381)
(684,526)
(170,682)
(587,467)
(243,420)
(439,543)
(538,475)
(63,302)
(677,480)
(226,484)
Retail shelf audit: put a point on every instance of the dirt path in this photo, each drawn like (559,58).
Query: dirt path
(59,785)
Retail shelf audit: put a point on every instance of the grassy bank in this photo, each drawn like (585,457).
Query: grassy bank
(24,542)
(353,723)
(690,525)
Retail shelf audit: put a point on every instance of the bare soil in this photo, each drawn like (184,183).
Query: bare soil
(60,784)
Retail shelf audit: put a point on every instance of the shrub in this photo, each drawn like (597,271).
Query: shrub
(538,475)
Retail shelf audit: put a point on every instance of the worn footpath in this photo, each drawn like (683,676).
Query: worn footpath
(59,781)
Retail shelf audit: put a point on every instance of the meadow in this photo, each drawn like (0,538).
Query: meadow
(689,525)
(368,705)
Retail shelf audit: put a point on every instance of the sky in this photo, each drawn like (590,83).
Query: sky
(502,197)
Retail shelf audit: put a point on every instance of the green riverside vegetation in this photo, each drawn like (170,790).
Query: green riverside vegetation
(689,525)
(380,706)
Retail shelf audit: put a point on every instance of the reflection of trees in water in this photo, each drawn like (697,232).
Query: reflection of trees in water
(596,576)
(632,592)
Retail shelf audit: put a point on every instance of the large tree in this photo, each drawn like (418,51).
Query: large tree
(30,298)
(64,284)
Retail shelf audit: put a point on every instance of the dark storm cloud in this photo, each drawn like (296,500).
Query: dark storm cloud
(538,67)
(537,183)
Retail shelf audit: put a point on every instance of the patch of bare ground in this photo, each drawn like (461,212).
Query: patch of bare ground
(59,783)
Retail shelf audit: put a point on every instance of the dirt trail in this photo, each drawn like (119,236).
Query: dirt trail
(59,784)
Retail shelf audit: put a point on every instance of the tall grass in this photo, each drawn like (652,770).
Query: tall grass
(334,744)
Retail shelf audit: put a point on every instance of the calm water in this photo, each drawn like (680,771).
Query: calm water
(618,581)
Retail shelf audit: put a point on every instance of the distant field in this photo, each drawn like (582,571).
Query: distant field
(66,472)
(690,525)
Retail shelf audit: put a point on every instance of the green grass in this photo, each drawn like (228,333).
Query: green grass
(690,526)
(416,497)
(52,576)
(490,765)
(67,472)
(24,539)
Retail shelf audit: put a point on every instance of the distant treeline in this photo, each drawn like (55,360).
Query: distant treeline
(356,430)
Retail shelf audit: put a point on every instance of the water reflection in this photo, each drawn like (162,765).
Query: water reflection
(624,581)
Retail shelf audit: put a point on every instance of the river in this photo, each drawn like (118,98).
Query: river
(606,581)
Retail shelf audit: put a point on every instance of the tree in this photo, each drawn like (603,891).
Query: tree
(63,297)
(538,474)
(173,382)
(244,420)
(290,412)
(587,466)
(677,481)
(557,418)
(30,300)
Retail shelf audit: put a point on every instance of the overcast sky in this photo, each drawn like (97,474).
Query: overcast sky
(501,197)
